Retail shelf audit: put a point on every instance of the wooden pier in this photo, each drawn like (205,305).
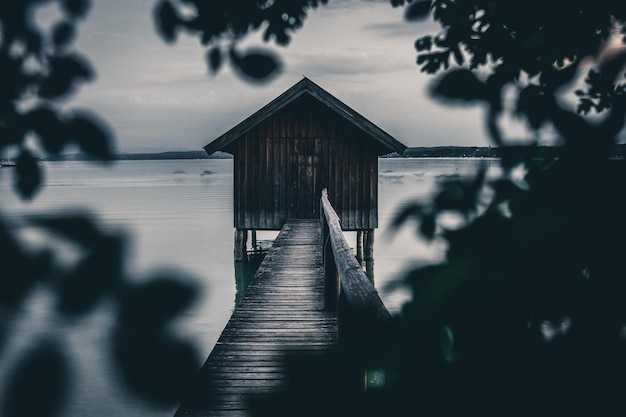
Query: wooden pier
(310,295)
(289,308)
(281,312)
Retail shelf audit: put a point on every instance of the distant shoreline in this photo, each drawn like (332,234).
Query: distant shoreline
(143,156)
(412,152)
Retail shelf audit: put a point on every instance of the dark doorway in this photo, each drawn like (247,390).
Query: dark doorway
(304,194)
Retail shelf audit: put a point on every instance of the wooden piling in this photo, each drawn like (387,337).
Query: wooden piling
(241,243)
(359,246)
(369,245)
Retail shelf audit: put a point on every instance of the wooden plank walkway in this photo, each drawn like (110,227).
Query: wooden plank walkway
(282,312)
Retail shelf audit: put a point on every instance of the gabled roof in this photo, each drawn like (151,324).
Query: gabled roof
(306,86)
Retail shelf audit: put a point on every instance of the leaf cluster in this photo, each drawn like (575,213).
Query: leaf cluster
(221,25)
(526,314)
(40,70)
(154,363)
(529,37)
(508,41)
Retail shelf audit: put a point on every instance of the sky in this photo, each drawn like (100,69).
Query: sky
(159,97)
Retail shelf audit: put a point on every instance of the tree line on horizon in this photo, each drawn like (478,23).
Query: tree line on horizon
(618,152)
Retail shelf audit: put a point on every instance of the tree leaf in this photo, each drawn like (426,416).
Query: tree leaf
(50,129)
(166,20)
(136,355)
(62,34)
(460,84)
(27,175)
(94,276)
(396,3)
(79,228)
(34,41)
(91,135)
(151,305)
(458,55)
(418,10)
(432,62)
(65,71)
(428,225)
(76,8)
(584,106)
(425,43)
(39,384)
(534,105)
(13,127)
(257,65)
(214,58)
(24,269)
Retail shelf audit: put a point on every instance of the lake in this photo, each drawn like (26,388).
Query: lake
(177,215)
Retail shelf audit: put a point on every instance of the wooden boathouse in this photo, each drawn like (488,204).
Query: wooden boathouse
(301,142)
(305,164)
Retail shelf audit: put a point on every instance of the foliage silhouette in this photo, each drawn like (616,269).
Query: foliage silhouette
(222,24)
(40,383)
(526,314)
(40,70)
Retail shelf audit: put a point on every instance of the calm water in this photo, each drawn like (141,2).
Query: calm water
(177,215)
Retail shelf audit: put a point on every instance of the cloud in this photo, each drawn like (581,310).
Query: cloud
(155,94)
(394,29)
(352,62)
(350,4)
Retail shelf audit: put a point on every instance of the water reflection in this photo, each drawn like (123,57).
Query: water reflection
(245,270)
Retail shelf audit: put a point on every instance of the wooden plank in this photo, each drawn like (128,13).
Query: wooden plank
(259,191)
(281,312)
(277,176)
(284,177)
(247,180)
(347,183)
(372,176)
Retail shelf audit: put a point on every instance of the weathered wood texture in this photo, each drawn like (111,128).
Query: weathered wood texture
(282,164)
(281,312)
(361,297)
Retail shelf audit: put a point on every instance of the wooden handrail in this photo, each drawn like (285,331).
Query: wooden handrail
(362,318)
(357,290)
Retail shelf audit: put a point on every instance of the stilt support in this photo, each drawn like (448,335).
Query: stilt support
(369,245)
(253,235)
(241,243)
(359,246)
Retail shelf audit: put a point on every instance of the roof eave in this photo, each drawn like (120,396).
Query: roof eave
(242,128)
(306,86)
(357,120)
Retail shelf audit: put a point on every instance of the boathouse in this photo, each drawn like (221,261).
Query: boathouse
(301,142)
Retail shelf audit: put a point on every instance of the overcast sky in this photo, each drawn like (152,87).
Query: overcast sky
(158,96)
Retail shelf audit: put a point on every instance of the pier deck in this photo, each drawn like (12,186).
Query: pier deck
(281,312)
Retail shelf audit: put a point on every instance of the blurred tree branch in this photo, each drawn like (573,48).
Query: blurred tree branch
(525,316)
(221,25)
(40,71)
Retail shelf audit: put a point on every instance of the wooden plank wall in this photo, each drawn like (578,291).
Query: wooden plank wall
(282,164)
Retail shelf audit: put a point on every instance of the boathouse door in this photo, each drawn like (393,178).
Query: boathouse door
(304,195)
